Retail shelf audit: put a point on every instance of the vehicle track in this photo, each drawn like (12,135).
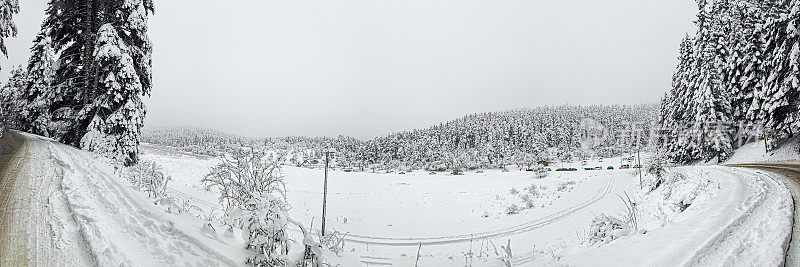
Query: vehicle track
(791,174)
(33,228)
(465,238)
(140,224)
(13,247)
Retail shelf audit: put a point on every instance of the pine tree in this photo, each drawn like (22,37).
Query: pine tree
(13,100)
(39,92)
(117,112)
(781,71)
(8,8)
(103,69)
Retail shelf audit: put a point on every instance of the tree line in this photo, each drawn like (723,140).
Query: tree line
(483,140)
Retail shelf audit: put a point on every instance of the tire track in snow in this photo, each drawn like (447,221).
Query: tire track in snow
(102,191)
(504,232)
(37,221)
(733,240)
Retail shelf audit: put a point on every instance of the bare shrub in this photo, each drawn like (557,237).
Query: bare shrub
(512,209)
(244,173)
(148,176)
(604,229)
(253,193)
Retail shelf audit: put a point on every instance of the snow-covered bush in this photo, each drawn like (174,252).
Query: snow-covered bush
(263,219)
(512,209)
(604,229)
(565,186)
(253,193)
(245,173)
(148,176)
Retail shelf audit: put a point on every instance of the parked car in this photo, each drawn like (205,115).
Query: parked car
(598,168)
(584,163)
(624,166)
(600,160)
(562,169)
(588,169)
(610,167)
(637,166)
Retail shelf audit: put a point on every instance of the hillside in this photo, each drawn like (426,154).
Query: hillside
(485,140)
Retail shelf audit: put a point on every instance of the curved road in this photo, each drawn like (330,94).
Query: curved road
(791,172)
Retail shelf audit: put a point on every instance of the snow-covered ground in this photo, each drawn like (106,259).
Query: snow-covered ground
(754,152)
(99,218)
(386,217)
(697,216)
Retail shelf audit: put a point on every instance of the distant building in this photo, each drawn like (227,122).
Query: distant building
(543,163)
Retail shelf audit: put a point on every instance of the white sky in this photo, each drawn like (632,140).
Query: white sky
(369,67)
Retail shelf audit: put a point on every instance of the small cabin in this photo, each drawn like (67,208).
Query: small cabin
(543,163)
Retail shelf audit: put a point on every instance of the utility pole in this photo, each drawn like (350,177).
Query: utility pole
(639,160)
(325,191)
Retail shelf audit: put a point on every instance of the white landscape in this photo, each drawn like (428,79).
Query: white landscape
(399,133)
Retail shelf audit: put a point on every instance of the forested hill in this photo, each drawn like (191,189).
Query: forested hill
(518,136)
(482,140)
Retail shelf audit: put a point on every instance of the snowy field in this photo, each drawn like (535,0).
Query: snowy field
(704,215)
(388,217)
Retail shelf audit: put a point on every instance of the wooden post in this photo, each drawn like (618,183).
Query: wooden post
(416,262)
(639,160)
(325,192)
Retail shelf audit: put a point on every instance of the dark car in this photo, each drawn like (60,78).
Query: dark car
(610,167)
(625,166)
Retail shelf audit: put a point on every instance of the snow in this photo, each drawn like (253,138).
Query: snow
(706,216)
(387,216)
(754,153)
(119,224)
(742,218)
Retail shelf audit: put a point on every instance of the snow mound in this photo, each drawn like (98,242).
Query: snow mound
(754,152)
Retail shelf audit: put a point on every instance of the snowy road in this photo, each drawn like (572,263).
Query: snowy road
(66,207)
(791,172)
(33,229)
(746,221)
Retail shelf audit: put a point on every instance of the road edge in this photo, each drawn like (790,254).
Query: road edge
(792,257)
(11,144)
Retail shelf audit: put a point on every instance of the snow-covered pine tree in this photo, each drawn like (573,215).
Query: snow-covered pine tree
(13,101)
(8,8)
(117,112)
(39,92)
(677,116)
(781,71)
(94,89)
(712,108)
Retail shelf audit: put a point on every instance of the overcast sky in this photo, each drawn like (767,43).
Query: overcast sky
(367,67)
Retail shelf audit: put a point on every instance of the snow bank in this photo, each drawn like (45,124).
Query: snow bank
(754,152)
(706,216)
(121,225)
